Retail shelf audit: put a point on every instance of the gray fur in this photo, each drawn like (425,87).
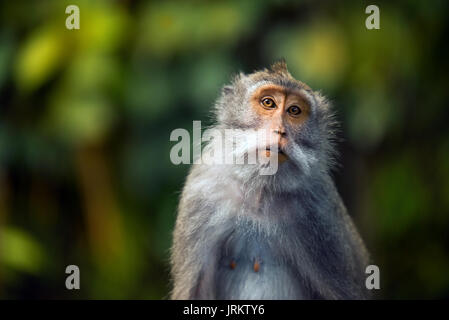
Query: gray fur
(293,223)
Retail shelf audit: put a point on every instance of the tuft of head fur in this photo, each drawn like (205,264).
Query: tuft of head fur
(280,67)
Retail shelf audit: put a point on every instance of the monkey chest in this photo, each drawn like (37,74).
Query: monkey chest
(250,267)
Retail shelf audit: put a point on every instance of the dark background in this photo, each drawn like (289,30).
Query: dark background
(86,115)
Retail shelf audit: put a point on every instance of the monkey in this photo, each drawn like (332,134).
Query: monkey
(241,235)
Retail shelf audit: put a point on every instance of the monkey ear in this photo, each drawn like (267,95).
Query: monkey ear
(228,89)
(280,67)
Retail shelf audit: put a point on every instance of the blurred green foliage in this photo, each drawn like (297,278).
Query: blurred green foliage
(85,119)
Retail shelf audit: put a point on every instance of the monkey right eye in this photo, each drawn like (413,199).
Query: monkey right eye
(268,103)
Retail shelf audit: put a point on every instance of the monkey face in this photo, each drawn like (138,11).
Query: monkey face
(279,111)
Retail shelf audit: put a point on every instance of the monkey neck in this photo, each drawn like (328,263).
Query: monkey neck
(284,181)
(266,196)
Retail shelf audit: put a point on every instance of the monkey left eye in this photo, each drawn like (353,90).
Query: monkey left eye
(268,103)
(294,110)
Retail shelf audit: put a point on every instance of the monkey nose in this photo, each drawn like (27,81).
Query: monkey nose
(280,137)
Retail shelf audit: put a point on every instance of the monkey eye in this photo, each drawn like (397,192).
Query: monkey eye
(294,110)
(268,103)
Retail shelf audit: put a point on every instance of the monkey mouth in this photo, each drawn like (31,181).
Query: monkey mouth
(280,153)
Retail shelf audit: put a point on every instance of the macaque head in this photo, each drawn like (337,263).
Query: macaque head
(297,121)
